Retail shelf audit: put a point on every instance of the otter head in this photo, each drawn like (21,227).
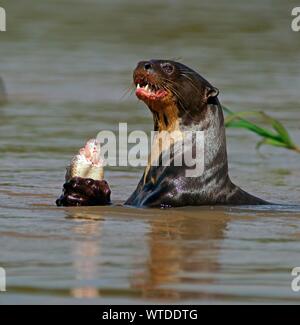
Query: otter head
(172,90)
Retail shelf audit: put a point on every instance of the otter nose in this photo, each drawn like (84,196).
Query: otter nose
(148,66)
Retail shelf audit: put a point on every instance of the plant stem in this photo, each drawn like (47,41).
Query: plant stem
(297,149)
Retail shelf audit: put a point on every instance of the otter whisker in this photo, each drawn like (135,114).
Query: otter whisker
(180,100)
(129,91)
(191,82)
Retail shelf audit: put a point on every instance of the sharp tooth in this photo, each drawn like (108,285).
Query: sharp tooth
(138,86)
(147,87)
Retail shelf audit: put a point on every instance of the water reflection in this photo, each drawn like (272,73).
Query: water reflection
(85,252)
(179,249)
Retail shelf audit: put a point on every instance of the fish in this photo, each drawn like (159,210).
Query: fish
(87,163)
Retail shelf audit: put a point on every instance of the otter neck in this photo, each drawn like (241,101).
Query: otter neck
(210,119)
(166,119)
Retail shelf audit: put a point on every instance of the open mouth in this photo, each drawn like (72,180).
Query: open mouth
(148,91)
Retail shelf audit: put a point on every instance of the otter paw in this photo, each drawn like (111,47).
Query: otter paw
(84,192)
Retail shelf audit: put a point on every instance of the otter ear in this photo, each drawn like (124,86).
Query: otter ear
(211,94)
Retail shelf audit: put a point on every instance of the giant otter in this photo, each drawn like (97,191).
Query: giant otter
(180,100)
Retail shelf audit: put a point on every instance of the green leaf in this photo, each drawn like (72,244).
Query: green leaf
(236,120)
(282,131)
(278,137)
(241,115)
(271,142)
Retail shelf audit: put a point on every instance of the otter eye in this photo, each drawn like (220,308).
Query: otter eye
(167,67)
